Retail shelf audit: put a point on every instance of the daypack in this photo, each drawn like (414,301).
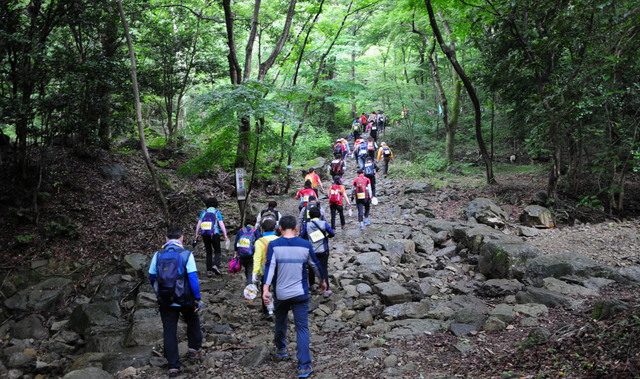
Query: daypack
(369,168)
(335,194)
(371,146)
(386,151)
(362,149)
(308,208)
(171,284)
(208,224)
(246,240)
(337,148)
(374,127)
(335,168)
(268,214)
(361,188)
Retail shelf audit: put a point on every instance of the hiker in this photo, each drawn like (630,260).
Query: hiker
(382,121)
(269,213)
(363,121)
(373,130)
(339,148)
(347,150)
(210,224)
(370,169)
(260,257)
(318,233)
(304,194)
(285,268)
(385,153)
(361,191)
(174,277)
(337,197)
(304,215)
(315,180)
(372,147)
(361,153)
(244,247)
(337,166)
(355,128)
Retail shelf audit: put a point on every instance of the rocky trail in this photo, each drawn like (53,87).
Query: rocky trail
(417,294)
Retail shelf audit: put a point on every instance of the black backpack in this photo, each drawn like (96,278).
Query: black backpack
(171,284)
(307,211)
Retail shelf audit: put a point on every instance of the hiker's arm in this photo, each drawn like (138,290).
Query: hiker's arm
(192,274)
(223,229)
(152,269)
(197,233)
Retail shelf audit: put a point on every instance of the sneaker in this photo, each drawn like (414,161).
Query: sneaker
(216,270)
(367,222)
(361,226)
(304,372)
(192,355)
(327,293)
(173,372)
(282,352)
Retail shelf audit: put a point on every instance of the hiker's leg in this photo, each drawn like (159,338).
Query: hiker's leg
(169,316)
(208,247)
(194,334)
(340,209)
(216,249)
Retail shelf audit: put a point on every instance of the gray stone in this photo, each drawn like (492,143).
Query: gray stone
(418,187)
(145,328)
(474,237)
(486,212)
(469,316)
(505,259)
(371,258)
(466,301)
(30,327)
(424,243)
(390,361)
(136,262)
(41,297)
(374,353)
(259,355)
(527,232)
(494,324)
(543,296)
(442,226)
(364,319)
(414,327)
(460,330)
(392,293)
(22,360)
(499,287)
(86,316)
(537,216)
(89,372)
(373,274)
(503,312)
(394,250)
(631,273)
(567,264)
(114,172)
(605,309)
(557,285)
(406,310)
(531,310)
(448,252)
(130,357)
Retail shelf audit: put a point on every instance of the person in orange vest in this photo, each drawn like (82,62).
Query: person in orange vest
(315,180)
(384,153)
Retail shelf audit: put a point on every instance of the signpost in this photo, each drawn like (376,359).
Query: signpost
(241,190)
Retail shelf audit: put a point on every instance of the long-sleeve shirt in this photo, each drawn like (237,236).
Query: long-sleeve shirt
(285,267)
(192,271)
(314,233)
(381,153)
(260,255)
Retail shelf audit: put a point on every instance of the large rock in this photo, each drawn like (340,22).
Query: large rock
(100,324)
(370,258)
(567,264)
(30,327)
(89,372)
(473,237)
(546,297)
(44,296)
(394,250)
(486,212)
(257,356)
(499,287)
(418,187)
(537,216)
(631,273)
(136,262)
(406,310)
(373,274)
(145,328)
(393,293)
(559,286)
(505,259)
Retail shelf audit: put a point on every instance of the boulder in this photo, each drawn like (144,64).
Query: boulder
(567,264)
(136,262)
(499,287)
(30,327)
(605,309)
(371,258)
(503,312)
(473,237)
(89,372)
(406,310)
(257,356)
(394,250)
(418,187)
(486,212)
(544,296)
(44,296)
(114,172)
(631,273)
(373,274)
(537,216)
(505,259)
(557,285)
(393,293)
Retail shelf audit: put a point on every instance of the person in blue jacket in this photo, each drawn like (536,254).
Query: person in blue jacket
(188,304)
(318,233)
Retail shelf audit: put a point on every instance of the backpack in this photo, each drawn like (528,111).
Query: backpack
(208,224)
(337,148)
(374,127)
(335,168)
(361,188)
(371,146)
(245,242)
(362,149)
(386,151)
(268,214)
(369,168)
(171,284)
(316,235)
(335,194)
(308,208)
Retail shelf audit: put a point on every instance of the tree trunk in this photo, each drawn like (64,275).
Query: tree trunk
(136,94)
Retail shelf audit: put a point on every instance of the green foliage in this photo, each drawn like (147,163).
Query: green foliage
(26,238)
(62,228)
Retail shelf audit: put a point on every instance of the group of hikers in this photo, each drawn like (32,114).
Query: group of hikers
(274,250)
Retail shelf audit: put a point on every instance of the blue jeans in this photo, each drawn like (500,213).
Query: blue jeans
(170,316)
(299,305)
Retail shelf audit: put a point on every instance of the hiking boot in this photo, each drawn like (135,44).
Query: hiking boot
(327,293)
(282,352)
(216,270)
(173,372)
(304,372)
(192,355)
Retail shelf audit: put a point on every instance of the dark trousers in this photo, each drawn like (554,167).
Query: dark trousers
(340,209)
(170,316)
(212,246)
(247,263)
(373,184)
(324,263)
(364,206)
(299,305)
(385,165)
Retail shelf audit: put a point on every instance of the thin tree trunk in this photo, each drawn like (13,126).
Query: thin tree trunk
(136,95)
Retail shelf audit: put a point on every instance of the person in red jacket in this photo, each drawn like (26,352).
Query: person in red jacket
(337,197)
(304,194)
(362,193)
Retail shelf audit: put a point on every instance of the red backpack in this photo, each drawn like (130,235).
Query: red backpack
(361,188)
(335,194)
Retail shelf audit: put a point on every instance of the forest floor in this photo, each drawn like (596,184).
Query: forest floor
(88,218)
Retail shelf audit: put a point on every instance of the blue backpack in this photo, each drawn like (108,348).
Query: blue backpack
(368,168)
(246,240)
(208,224)
(171,284)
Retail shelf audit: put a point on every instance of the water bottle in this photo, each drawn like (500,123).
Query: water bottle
(270,305)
